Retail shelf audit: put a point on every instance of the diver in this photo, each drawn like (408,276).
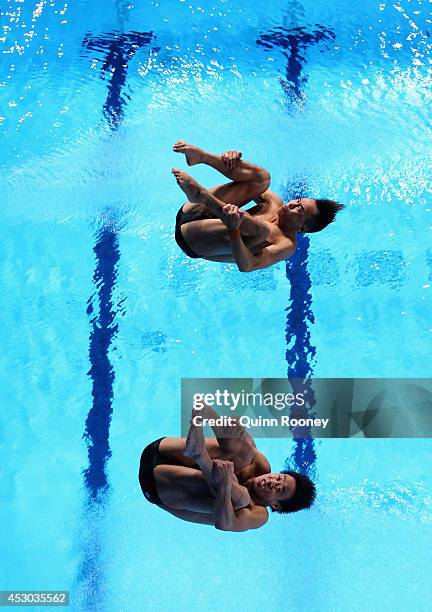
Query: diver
(222,481)
(211,224)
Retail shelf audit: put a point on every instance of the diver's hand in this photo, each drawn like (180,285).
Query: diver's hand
(223,471)
(232,216)
(231,159)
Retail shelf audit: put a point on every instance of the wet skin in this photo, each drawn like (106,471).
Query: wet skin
(183,486)
(268,230)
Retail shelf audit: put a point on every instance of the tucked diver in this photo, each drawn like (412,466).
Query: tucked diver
(222,481)
(211,225)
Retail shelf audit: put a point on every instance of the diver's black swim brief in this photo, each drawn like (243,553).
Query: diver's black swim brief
(183,218)
(150,458)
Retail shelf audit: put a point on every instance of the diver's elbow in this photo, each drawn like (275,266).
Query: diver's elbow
(220,526)
(264,178)
(245,268)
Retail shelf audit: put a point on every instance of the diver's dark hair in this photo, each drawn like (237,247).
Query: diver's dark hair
(327,210)
(304,495)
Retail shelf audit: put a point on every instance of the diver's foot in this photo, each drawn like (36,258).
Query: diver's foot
(193,154)
(193,190)
(208,413)
(195,443)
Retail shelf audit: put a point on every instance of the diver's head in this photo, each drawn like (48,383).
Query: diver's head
(285,491)
(307,214)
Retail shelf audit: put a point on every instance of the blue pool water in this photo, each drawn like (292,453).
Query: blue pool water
(102,315)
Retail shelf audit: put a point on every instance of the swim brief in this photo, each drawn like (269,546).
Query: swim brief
(150,458)
(183,218)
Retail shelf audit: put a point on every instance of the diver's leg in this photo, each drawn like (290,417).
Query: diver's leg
(210,238)
(183,488)
(195,449)
(186,489)
(248,180)
(173,450)
(196,193)
(232,439)
(235,169)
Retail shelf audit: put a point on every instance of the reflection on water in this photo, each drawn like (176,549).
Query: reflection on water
(294,43)
(103,330)
(117,50)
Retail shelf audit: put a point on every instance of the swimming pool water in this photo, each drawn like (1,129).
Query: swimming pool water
(102,314)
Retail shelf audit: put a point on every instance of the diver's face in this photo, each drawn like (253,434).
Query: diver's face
(295,213)
(270,489)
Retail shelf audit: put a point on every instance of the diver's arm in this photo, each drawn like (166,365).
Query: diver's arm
(239,494)
(225,519)
(202,518)
(224,516)
(233,218)
(244,519)
(197,451)
(246,262)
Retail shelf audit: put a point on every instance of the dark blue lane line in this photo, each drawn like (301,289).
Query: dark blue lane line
(300,351)
(293,43)
(103,331)
(117,49)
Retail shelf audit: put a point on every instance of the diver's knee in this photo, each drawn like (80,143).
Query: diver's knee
(264,179)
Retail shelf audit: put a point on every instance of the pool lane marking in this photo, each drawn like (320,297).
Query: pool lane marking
(293,44)
(103,330)
(119,49)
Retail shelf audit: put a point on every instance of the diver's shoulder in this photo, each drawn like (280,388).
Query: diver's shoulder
(273,198)
(261,514)
(269,199)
